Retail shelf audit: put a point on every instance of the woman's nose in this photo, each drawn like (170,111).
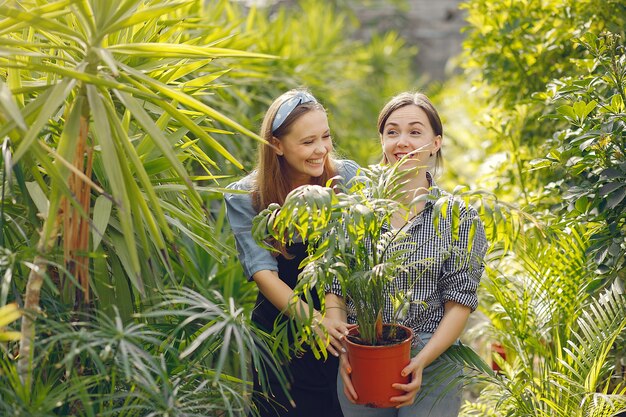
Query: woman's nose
(403,140)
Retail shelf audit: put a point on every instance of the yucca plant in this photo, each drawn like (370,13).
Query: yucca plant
(95,105)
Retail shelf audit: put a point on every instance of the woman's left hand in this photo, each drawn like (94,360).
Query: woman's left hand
(337,331)
(415,369)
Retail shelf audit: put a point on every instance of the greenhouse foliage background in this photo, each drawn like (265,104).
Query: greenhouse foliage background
(121,122)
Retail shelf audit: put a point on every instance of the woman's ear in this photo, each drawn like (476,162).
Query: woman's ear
(437,144)
(277,146)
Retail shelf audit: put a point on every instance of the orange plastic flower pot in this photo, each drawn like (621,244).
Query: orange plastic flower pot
(376,368)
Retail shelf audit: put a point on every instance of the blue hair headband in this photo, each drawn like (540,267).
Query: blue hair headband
(288,105)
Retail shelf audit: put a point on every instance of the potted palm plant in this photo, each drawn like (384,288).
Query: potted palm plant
(349,247)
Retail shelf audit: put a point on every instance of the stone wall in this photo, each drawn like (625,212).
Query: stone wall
(434,26)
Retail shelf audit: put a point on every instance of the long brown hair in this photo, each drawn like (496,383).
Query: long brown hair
(423,102)
(271,184)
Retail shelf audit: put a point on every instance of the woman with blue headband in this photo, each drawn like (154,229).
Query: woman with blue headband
(299,152)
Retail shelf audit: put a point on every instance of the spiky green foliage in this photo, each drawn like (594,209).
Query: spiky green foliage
(550,76)
(319,48)
(561,340)
(590,153)
(102,366)
(122,69)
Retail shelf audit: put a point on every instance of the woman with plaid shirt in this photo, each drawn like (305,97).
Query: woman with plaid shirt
(443,284)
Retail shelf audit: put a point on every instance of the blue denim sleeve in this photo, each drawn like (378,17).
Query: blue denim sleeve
(347,169)
(240,213)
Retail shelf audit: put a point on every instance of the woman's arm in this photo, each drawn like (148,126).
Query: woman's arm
(448,331)
(283,297)
(261,267)
(336,310)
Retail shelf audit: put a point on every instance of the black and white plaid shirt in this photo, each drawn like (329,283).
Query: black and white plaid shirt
(442,268)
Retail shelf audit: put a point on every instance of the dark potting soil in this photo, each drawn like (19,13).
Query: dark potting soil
(388,339)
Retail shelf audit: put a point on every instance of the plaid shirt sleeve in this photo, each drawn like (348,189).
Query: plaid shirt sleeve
(462,270)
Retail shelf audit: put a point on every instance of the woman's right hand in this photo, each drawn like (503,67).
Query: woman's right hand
(344,371)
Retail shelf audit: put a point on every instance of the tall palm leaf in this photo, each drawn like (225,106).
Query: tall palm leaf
(106,119)
(560,339)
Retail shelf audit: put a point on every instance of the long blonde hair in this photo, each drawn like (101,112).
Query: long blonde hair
(271,184)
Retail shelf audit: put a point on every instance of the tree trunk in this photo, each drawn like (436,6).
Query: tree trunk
(46,242)
(31,306)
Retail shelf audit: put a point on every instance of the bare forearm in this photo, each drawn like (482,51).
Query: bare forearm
(336,307)
(281,295)
(448,331)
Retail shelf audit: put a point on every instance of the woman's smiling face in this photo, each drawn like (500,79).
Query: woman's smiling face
(306,147)
(408,131)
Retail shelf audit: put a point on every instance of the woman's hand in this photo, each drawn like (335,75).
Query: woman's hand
(415,369)
(344,371)
(334,330)
(447,332)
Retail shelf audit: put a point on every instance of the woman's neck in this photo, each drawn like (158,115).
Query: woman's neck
(297,182)
(414,186)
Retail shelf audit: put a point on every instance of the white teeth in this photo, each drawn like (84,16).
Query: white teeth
(315,161)
(402,155)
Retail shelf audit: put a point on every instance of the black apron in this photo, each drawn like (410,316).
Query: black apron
(312,382)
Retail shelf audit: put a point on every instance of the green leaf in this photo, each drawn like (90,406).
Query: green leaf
(137,17)
(181,51)
(157,137)
(567,111)
(610,187)
(56,98)
(9,107)
(581,204)
(203,81)
(191,102)
(36,18)
(139,170)
(110,160)
(440,209)
(582,109)
(616,197)
(101,216)
(38,197)
(617,103)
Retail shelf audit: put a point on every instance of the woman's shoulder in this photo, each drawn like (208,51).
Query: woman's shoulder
(244,184)
(238,193)
(455,202)
(346,168)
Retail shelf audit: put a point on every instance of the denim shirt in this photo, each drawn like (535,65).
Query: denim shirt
(240,213)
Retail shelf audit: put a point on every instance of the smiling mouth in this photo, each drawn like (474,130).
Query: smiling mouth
(411,155)
(315,161)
